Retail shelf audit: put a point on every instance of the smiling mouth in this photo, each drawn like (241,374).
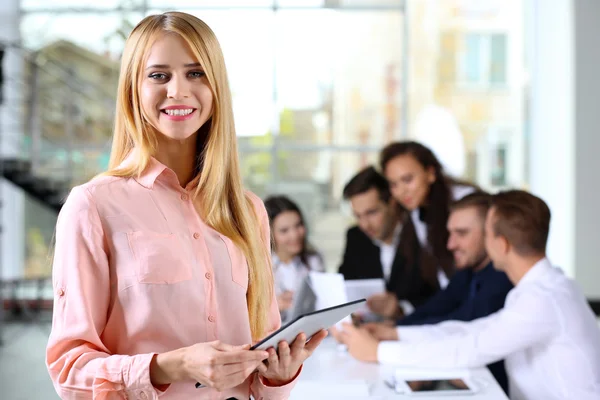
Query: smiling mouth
(182,112)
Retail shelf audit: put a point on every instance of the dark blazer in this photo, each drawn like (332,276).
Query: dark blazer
(362,261)
(469,295)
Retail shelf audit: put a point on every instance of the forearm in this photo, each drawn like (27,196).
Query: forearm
(167,368)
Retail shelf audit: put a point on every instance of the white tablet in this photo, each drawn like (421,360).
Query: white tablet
(458,386)
(310,324)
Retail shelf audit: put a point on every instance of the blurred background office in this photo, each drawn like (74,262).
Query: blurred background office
(504,92)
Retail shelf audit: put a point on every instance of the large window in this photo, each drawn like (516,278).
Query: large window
(484,62)
(319,86)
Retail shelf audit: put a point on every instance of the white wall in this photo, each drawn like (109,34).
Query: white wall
(587,146)
(551,150)
(564,152)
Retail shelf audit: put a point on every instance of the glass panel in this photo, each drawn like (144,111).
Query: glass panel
(257,170)
(498,59)
(363,4)
(32,5)
(302,3)
(39,228)
(480,127)
(103,33)
(249,60)
(328,92)
(473,63)
(315,180)
(191,4)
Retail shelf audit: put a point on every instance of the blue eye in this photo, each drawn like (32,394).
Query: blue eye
(157,76)
(197,74)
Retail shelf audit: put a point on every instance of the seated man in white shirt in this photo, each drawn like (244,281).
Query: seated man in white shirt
(546,332)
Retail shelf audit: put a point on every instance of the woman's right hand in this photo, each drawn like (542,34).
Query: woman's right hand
(285,300)
(214,364)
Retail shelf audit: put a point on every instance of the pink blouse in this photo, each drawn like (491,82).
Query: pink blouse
(137,272)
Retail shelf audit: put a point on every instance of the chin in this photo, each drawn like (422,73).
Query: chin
(178,134)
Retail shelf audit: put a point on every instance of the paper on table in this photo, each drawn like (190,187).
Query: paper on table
(363,289)
(329,289)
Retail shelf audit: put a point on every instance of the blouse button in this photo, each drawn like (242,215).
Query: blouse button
(207,275)
(196,235)
(185,197)
(211,318)
(60,292)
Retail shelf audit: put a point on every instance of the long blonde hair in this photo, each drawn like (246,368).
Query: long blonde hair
(225,206)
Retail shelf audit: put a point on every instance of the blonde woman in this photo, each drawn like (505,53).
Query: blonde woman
(162,269)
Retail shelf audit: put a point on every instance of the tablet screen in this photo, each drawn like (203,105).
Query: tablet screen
(438,385)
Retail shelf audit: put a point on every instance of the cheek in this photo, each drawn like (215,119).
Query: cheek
(205,97)
(421,186)
(148,96)
(301,232)
(279,239)
(396,190)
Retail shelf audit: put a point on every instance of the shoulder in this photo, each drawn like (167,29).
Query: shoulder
(315,262)
(83,196)
(95,195)
(537,299)
(257,203)
(500,280)
(354,232)
(460,280)
(99,187)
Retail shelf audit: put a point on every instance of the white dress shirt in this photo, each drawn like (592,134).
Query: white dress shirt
(546,333)
(387,252)
(458,192)
(288,276)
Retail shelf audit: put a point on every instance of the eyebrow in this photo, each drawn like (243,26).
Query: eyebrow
(166,66)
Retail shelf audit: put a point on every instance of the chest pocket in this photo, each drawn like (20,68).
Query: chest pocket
(159,258)
(239,264)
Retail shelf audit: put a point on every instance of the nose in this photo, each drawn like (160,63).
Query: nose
(178,88)
(451,245)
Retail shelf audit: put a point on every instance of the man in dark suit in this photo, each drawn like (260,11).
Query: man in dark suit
(371,246)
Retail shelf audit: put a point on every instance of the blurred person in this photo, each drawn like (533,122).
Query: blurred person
(546,333)
(162,273)
(418,183)
(371,245)
(292,256)
(476,290)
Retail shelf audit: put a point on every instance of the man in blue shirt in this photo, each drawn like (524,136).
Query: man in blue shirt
(477,289)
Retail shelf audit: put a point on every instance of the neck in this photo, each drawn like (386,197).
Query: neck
(519,266)
(180,156)
(482,264)
(389,238)
(284,257)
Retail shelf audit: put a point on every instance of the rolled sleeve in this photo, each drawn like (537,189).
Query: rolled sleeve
(263,391)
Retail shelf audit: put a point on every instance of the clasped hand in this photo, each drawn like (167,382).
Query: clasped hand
(223,366)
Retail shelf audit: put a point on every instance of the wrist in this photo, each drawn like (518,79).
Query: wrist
(280,382)
(167,368)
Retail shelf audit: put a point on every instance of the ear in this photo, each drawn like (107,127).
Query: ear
(430,175)
(505,246)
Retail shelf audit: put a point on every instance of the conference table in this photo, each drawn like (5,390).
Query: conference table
(331,373)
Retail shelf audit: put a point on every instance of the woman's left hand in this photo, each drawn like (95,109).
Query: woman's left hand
(282,369)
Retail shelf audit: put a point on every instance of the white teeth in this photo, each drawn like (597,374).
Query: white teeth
(179,112)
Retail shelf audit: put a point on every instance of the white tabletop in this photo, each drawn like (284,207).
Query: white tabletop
(331,374)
